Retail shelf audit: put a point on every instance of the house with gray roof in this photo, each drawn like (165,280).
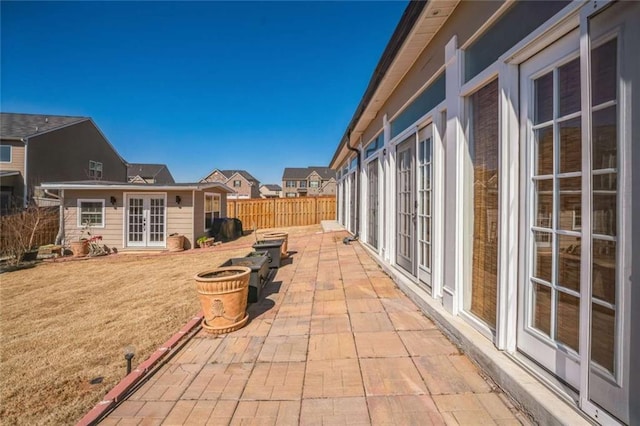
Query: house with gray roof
(241,182)
(311,181)
(269,190)
(36,147)
(149,173)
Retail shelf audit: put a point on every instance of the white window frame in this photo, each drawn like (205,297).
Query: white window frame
(237,183)
(79,212)
(290,184)
(10,153)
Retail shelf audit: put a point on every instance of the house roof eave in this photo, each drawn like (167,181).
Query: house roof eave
(412,35)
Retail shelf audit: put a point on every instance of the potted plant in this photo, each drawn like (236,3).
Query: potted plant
(205,241)
(223,296)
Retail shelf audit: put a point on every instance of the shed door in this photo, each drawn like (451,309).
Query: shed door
(146,221)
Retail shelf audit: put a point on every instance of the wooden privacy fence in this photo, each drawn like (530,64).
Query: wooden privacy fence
(282,212)
(15,229)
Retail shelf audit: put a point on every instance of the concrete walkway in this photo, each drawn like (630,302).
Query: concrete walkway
(332,342)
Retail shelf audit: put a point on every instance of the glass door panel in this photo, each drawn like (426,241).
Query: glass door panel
(613,34)
(372,211)
(425,207)
(549,312)
(135,222)
(405,224)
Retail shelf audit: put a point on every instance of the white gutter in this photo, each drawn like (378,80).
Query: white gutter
(141,187)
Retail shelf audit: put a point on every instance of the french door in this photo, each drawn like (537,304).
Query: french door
(576,268)
(406,205)
(146,220)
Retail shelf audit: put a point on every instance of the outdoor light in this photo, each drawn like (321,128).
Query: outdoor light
(178,199)
(113,201)
(129,353)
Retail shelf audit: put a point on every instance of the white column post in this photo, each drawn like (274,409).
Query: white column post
(453,220)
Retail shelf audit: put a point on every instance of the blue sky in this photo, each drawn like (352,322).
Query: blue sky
(258,86)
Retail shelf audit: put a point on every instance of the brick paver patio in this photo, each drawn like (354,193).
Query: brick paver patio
(333,341)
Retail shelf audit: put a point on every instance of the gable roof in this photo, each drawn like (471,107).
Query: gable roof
(291,173)
(245,174)
(146,170)
(18,126)
(229,173)
(272,187)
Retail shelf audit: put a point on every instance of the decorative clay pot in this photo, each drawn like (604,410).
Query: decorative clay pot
(79,248)
(175,243)
(223,296)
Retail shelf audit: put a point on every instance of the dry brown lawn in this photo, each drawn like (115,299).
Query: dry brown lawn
(65,323)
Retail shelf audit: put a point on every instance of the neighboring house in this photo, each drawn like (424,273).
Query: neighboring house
(37,148)
(308,181)
(270,191)
(137,216)
(149,173)
(491,169)
(240,181)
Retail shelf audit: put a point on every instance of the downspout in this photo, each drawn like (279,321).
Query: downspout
(60,197)
(26,187)
(357,200)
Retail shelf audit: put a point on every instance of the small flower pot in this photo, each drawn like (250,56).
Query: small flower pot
(79,248)
(223,296)
(175,243)
(206,243)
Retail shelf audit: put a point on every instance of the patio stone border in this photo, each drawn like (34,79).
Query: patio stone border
(121,390)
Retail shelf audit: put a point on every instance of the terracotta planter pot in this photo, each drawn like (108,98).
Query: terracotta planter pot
(223,296)
(206,243)
(175,243)
(79,248)
(279,236)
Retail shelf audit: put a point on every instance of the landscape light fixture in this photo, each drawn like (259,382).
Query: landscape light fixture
(129,353)
(113,201)
(178,199)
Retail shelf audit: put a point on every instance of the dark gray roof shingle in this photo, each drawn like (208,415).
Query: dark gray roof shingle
(299,173)
(15,126)
(272,187)
(244,173)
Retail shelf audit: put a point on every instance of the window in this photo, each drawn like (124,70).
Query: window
(483,106)
(237,184)
(291,194)
(95,169)
(291,184)
(303,184)
(211,209)
(314,184)
(5,153)
(91,213)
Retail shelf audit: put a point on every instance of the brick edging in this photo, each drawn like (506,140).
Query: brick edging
(118,392)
